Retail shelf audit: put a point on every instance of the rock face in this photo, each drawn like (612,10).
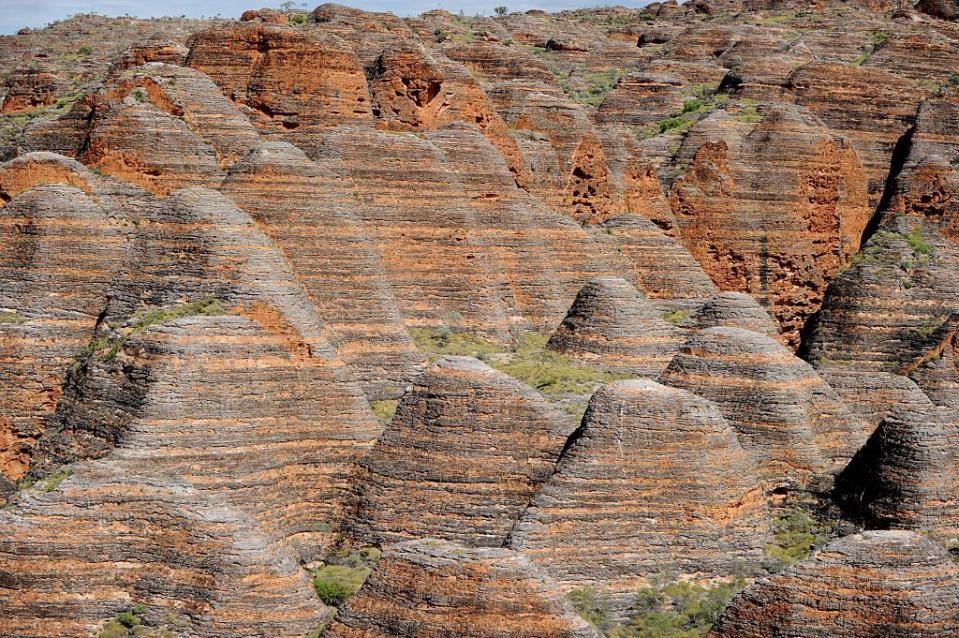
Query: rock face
(291,81)
(902,477)
(613,326)
(27,89)
(783,250)
(135,539)
(784,413)
(301,205)
(892,583)
(61,252)
(491,442)
(487,592)
(642,448)
(732,310)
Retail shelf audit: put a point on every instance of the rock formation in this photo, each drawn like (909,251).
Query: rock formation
(613,326)
(784,413)
(654,481)
(486,592)
(902,477)
(890,583)
(465,452)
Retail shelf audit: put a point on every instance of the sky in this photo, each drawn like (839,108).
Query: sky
(15,14)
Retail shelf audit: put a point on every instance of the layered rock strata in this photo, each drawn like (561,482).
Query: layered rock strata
(612,326)
(784,413)
(486,592)
(465,452)
(641,445)
(893,583)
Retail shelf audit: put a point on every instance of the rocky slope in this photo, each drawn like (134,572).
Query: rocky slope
(281,292)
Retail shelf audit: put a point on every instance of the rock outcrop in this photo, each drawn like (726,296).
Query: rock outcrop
(465,452)
(782,247)
(892,583)
(486,592)
(904,476)
(641,449)
(612,326)
(784,413)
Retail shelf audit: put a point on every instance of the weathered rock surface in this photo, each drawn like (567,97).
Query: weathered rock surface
(61,252)
(732,310)
(784,246)
(643,448)
(786,416)
(485,592)
(891,583)
(903,476)
(611,325)
(306,210)
(136,539)
(465,452)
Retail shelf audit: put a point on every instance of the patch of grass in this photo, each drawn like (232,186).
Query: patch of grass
(918,243)
(108,346)
(749,114)
(86,49)
(384,410)
(527,360)
(549,372)
(678,316)
(796,533)
(692,106)
(436,343)
(11,317)
(879,38)
(928,327)
(344,574)
(52,482)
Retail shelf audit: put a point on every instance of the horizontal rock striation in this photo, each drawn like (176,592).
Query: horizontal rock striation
(611,325)
(893,583)
(486,592)
(641,449)
(786,416)
(140,539)
(784,246)
(903,477)
(307,211)
(465,452)
(732,310)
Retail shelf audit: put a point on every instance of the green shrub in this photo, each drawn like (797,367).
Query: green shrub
(53,481)
(674,125)
(384,410)
(667,609)
(86,49)
(677,316)
(500,10)
(918,243)
(139,95)
(690,106)
(796,534)
(749,114)
(334,584)
(591,607)
(440,35)
(11,317)
(298,19)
